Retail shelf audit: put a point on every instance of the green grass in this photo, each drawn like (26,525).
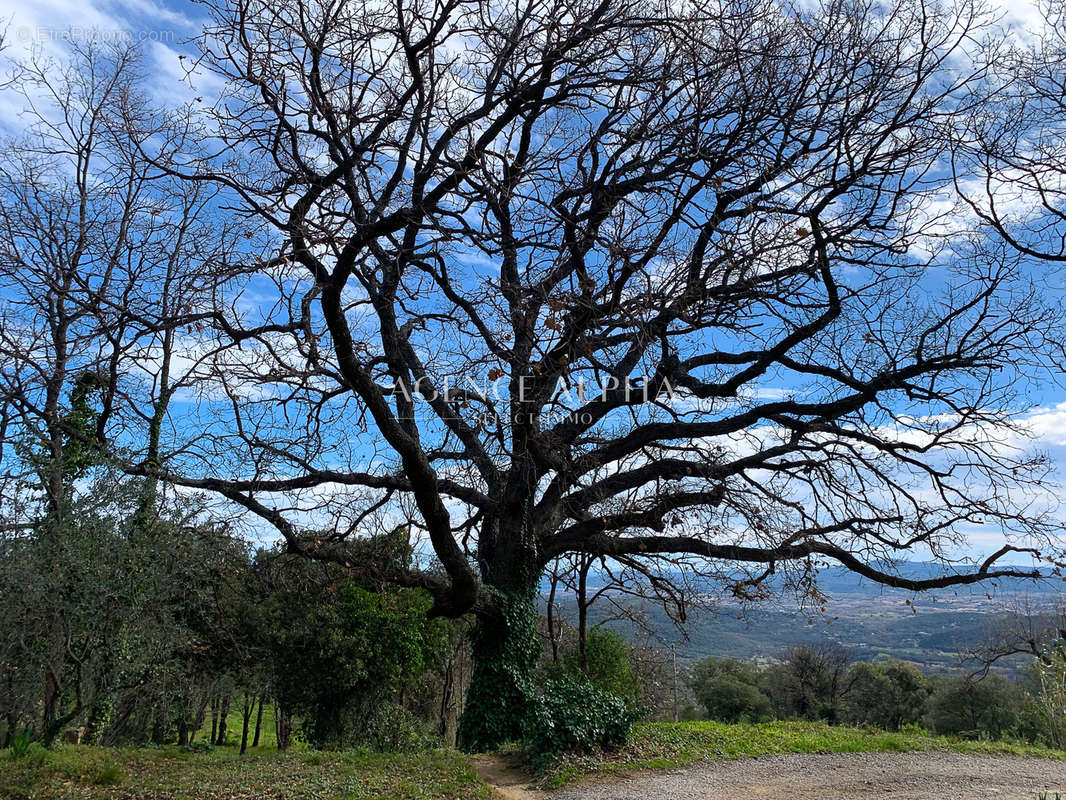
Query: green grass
(234,721)
(666,745)
(74,772)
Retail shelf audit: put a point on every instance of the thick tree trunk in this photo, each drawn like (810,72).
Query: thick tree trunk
(283,727)
(505,647)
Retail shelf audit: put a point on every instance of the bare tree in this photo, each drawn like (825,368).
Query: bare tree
(622,279)
(625,587)
(1010,165)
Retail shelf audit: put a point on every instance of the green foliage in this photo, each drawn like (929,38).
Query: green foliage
(986,708)
(505,650)
(81,449)
(573,715)
(109,774)
(731,690)
(887,695)
(391,728)
(809,683)
(338,654)
(20,744)
(608,665)
(1044,716)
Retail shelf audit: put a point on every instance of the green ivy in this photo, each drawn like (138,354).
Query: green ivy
(573,715)
(502,694)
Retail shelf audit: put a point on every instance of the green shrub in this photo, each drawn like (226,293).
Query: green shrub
(573,715)
(20,744)
(36,754)
(391,728)
(608,665)
(109,774)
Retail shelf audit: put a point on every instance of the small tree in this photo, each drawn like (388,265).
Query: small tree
(338,653)
(887,695)
(987,707)
(731,690)
(810,682)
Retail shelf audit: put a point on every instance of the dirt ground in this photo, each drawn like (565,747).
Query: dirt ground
(897,776)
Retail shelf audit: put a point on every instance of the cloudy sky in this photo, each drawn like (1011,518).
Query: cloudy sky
(165,29)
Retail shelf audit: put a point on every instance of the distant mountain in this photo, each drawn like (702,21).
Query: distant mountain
(870,620)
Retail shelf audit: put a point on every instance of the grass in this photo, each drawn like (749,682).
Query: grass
(74,772)
(234,721)
(666,745)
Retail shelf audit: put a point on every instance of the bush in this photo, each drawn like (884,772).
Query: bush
(728,699)
(391,728)
(109,774)
(986,708)
(573,715)
(609,665)
(888,695)
(20,744)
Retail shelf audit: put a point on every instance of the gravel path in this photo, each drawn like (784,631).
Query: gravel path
(899,776)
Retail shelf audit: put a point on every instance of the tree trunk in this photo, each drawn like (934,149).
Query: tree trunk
(505,647)
(223,712)
(201,715)
(258,721)
(283,723)
(447,702)
(583,611)
(553,637)
(50,709)
(214,719)
(246,716)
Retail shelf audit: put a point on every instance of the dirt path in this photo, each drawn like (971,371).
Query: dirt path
(506,777)
(852,776)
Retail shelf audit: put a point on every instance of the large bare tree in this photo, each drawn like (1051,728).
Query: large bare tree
(613,278)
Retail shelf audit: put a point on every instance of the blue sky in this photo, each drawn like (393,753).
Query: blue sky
(163,29)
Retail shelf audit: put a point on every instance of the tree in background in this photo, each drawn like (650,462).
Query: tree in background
(810,682)
(731,690)
(963,705)
(886,695)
